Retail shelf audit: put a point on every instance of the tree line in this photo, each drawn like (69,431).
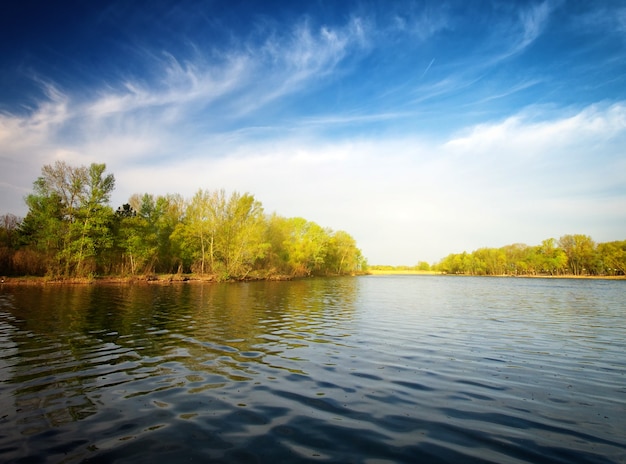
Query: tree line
(569,255)
(70,230)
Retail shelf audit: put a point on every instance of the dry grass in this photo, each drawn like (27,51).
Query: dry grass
(400,272)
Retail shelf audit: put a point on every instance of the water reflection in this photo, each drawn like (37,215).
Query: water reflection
(61,344)
(346,369)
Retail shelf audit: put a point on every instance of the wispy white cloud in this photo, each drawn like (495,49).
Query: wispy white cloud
(512,31)
(423,22)
(509,35)
(250,76)
(533,21)
(524,136)
(47,117)
(607,21)
(176,107)
(515,180)
(302,58)
(198,121)
(386,191)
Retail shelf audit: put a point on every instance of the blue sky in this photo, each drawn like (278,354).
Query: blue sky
(421,128)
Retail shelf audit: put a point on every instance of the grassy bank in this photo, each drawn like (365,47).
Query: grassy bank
(144,279)
(400,272)
(565,276)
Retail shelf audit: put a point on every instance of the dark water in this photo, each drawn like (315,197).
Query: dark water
(367,369)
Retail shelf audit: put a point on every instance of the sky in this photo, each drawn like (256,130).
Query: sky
(422,128)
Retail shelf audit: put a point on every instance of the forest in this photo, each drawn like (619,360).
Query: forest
(71,231)
(570,255)
(576,255)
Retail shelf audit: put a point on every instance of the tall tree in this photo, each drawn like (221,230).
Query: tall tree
(306,246)
(222,235)
(343,256)
(9,225)
(196,233)
(580,252)
(91,233)
(242,231)
(68,219)
(613,256)
(136,241)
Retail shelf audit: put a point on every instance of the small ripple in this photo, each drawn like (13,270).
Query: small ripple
(412,385)
(474,383)
(326,404)
(364,375)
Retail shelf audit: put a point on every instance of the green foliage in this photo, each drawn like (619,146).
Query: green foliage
(423,266)
(144,227)
(221,235)
(570,255)
(299,247)
(230,237)
(71,231)
(9,226)
(68,224)
(613,257)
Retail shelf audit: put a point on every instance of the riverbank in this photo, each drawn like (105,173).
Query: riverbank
(528,276)
(153,279)
(166,279)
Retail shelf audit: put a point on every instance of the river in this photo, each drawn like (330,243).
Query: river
(371,369)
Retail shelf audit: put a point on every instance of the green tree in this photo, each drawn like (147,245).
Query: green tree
(306,246)
(137,241)
(277,230)
(68,222)
(150,232)
(195,234)
(343,256)
(242,234)
(552,260)
(580,252)
(90,233)
(613,257)
(423,266)
(9,226)
(222,235)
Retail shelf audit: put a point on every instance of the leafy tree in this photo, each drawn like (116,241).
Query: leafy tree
(68,222)
(613,256)
(136,241)
(551,259)
(343,256)
(306,246)
(242,234)
(580,252)
(423,266)
(196,233)
(573,254)
(277,230)
(146,225)
(220,234)
(91,232)
(43,230)
(9,225)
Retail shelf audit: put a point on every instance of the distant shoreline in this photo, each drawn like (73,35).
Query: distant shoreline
(167,279)
(401,272)
(377,272)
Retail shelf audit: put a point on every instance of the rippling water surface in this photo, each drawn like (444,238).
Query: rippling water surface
(366,369)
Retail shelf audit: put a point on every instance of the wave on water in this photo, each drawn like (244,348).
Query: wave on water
(327,370)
